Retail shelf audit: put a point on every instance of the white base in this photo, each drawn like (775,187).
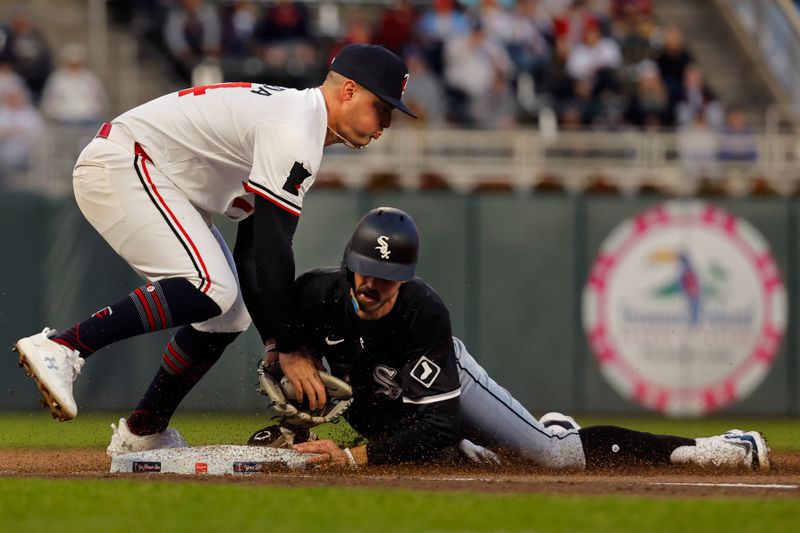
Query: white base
(209,460)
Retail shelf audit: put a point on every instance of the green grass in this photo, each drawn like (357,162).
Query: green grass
(121,505)
(91,430)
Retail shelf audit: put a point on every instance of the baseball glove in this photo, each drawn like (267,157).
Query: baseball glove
(281,395)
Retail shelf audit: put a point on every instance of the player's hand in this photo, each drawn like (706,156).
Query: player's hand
(330,455)
(478,454)
(302,373)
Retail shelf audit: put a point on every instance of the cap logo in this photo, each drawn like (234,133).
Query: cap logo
(403,87)
(383,247)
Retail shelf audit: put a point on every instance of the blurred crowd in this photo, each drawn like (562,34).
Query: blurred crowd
(39,89)
(493,64)
(587,64)
(475,63)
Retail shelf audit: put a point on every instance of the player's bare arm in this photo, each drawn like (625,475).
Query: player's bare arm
(330,455)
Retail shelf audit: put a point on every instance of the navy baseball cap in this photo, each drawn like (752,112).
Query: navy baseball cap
(377,69)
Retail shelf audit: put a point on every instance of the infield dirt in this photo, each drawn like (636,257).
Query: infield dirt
(781,481)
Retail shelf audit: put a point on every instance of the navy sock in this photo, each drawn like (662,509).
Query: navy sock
(152,307)
(187,358)
(616,447)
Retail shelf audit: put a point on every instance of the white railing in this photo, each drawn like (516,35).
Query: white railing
(774,26)
(467,158)
(51,160)
(519,158)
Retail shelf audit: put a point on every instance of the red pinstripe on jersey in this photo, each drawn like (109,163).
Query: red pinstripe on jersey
(140,163)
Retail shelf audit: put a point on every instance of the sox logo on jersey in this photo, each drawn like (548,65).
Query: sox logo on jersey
(384,377)
(425,371)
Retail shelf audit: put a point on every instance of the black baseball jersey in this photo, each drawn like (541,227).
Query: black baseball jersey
(402,367)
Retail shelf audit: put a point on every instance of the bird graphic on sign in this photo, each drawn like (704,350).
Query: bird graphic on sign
(686,283)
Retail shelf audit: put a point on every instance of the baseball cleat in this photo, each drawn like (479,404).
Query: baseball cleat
(123,441)
(558,423)
(754,445)
(53,367)
(733,449)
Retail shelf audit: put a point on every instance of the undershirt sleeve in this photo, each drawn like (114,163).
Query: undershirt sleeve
(265,262)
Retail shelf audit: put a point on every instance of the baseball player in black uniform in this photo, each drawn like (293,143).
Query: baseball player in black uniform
(416,389)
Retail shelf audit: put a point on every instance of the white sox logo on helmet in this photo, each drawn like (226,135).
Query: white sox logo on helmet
(383,247)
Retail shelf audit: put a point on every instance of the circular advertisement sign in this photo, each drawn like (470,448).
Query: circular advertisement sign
(684,308)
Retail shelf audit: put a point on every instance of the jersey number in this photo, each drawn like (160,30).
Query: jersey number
(201,89)
(263,90)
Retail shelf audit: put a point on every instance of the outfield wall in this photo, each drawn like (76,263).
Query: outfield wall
(510,267)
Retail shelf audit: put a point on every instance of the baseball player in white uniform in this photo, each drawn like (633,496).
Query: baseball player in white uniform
(149,183)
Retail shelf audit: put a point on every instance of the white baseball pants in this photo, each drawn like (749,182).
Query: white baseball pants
(152,225)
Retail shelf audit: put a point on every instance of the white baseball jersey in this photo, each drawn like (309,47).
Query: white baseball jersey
(222,143)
